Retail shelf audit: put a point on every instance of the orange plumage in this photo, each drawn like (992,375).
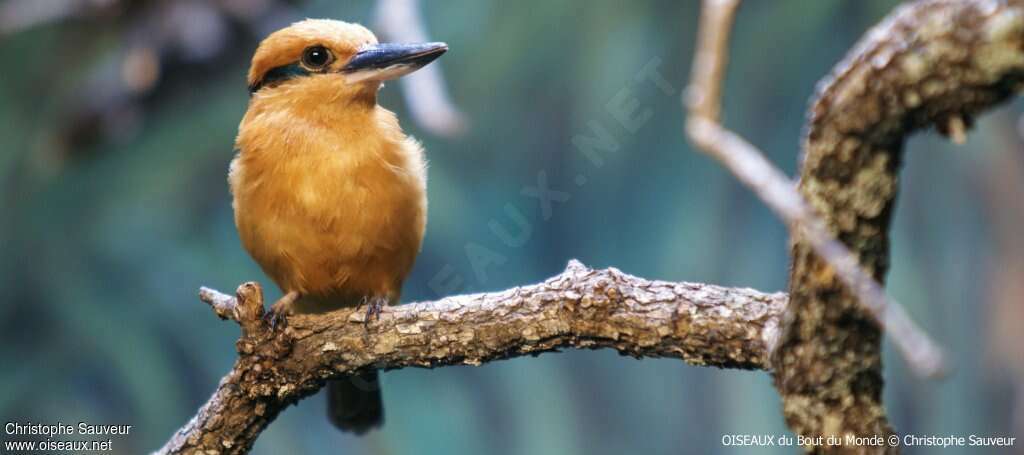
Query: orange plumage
(329,193)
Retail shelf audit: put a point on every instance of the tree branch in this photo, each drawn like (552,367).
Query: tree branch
(579,308)
(937,62)
(753,169)
(931,62)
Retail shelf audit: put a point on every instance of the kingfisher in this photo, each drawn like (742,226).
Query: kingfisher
(329,194)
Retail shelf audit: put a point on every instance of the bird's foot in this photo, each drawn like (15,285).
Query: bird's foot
(374,305)
(279,311)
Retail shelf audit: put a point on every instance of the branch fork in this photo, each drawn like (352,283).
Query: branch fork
(245,308)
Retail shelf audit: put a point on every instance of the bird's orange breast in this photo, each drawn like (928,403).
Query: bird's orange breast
(333,209)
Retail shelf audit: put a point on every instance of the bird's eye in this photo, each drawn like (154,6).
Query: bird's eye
(316,57)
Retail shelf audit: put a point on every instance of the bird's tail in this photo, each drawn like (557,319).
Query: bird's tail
(354,403)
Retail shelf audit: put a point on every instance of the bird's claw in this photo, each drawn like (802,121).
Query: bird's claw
(374,306)
(277,317)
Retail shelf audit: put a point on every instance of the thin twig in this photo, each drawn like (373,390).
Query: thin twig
(750,166)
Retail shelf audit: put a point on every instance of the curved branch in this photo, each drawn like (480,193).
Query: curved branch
(579,308)
(938,62)
(752,168)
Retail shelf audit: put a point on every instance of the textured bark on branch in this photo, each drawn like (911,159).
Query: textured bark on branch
(937,62)
(580,308)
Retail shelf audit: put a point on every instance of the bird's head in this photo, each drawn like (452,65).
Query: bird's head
(325,61)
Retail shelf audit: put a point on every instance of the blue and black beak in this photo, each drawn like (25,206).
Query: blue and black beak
(380,62)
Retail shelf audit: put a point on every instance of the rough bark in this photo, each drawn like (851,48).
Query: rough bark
(580,308)
(930,63)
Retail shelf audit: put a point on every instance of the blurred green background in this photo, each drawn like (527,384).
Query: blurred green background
(117,121)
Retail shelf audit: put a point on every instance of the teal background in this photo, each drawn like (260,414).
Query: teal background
(106,231)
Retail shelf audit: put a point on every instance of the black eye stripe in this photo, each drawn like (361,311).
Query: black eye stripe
(279,74)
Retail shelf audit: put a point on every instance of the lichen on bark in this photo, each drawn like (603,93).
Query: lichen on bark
(933,62)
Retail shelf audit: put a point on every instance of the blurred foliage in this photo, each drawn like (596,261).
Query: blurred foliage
(116,129)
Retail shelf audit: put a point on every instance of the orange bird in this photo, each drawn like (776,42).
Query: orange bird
(329,193)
